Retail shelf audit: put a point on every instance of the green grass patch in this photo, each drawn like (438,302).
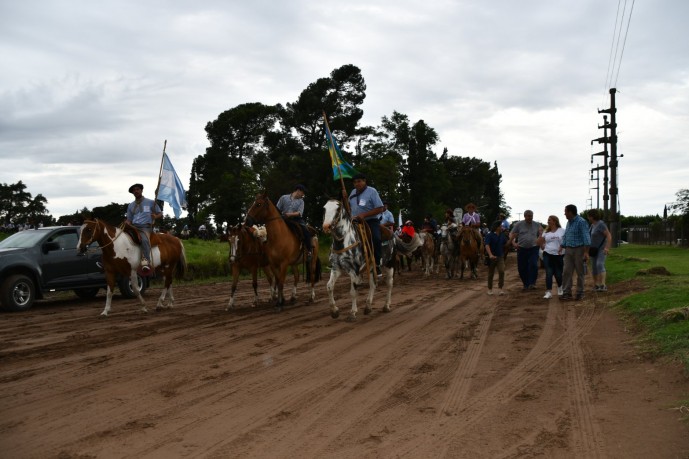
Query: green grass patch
(659,311)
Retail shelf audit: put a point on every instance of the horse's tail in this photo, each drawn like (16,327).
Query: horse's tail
(181,270)
(317,272)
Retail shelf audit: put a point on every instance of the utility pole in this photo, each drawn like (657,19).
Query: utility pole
(614,217)
(604,168)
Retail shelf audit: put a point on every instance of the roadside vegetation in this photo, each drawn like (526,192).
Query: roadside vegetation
(660,311)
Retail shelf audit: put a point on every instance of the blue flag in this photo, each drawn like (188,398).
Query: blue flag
(171,189)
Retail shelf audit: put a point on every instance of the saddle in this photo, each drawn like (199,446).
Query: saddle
(133,233)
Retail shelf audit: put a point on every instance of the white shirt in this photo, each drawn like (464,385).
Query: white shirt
(553,241)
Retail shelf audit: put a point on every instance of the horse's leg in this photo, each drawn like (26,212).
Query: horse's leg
(233,289)
(167,280)
(334,311)
(371,292)
(110,280)
(355,280)
(134,280)
(388,298)
(295,271)
(280,281)
(254,284)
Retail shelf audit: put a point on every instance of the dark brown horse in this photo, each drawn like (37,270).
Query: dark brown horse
(468,251)
(246,252)
(121,255)
(284,246)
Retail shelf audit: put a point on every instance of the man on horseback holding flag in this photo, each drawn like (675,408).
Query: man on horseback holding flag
(140,214)
(291,206)
(366,204)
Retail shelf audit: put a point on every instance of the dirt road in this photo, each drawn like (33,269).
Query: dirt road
(450,372)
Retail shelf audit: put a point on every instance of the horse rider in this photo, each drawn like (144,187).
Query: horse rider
(366,204)
(472,219)
(140,214)
(386,218)
(408,230)
(291,206)
(430,225)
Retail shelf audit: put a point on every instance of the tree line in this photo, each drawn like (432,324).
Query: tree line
(255,147)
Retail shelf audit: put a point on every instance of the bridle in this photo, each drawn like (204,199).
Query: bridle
(334,224)
(103,230)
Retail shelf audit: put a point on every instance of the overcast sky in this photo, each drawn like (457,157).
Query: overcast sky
(90,90)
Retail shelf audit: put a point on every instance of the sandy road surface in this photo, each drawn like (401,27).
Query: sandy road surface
(450,372)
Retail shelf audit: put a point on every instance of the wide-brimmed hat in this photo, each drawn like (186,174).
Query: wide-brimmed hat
(136,185)
(471,205)
(359,176)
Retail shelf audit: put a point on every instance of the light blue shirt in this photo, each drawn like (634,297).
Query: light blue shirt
(386,217)
(139,213)
(367,200)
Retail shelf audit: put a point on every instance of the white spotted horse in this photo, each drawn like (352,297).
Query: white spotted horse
(122,256)
(347,257)
(449,248)
(284,246)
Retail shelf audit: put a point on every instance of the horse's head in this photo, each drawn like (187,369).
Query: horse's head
(233,239)
(332,214)
(466,236)
(259,212)
(90,232)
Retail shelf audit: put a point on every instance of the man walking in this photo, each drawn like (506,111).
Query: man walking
(575,244)
(526,232)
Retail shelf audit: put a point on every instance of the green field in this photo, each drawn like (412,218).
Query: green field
(660,311)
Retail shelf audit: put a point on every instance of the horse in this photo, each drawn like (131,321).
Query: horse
(449,249)
(347,257)
(121,255)
(246,252)
(427,252)
(468,251)
(284,247)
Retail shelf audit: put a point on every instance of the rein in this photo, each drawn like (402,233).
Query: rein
(112,241)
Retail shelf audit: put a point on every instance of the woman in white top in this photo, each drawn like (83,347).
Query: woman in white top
(552,259)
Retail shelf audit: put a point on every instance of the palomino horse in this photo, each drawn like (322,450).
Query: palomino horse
(284,247)
(121,255)
(347,257)
(449,248)
(468,251)
(246,252)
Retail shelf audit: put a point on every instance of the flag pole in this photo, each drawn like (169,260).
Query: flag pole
(160,175)
(345,198)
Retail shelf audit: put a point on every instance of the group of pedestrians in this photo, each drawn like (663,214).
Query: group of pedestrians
(565,252)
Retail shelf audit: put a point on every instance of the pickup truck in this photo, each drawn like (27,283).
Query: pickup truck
(34,262)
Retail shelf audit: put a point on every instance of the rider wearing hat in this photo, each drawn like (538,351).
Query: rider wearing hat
(291,206)
(140,214)
(472,219)
(366,204)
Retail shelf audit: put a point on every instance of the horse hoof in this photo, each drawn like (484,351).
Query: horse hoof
(387,308)
(351,318)
(335,314)
(367,311)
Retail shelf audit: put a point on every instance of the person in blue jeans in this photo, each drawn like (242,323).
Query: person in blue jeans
(495,243)
(553,260)
(524,236)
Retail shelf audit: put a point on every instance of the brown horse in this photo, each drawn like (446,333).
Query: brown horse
(246,252)
(284,246)
(468,251)
(121,255)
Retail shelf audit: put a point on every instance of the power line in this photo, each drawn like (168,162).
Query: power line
(626,32)
(608,73)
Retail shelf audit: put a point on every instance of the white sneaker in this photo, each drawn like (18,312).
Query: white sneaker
(548,295)
(559,291)
(490,292)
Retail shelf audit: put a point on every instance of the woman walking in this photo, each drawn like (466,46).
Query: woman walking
(601,240)
(553,261)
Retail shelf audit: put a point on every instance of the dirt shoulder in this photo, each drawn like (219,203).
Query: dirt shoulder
(450,372)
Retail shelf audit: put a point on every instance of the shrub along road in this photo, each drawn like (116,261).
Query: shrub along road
(450,372)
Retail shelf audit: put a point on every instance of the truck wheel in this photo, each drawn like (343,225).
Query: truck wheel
(126,286)
(86,293)
(18,293)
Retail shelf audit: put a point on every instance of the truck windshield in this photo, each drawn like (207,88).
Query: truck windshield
(22,239)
